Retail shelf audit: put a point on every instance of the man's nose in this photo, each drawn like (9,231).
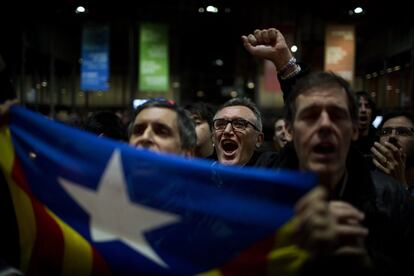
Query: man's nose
(325,121)
(228,128)
(324,118)
(147,135)
(393,135)
(145,140)
(362,108)
(147,132)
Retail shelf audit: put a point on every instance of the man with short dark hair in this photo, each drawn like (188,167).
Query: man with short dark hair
(281,135)
(324,118)
(105,123)
(366,114)
(162,126)
(202,115)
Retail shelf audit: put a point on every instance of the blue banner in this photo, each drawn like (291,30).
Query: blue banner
(95,58)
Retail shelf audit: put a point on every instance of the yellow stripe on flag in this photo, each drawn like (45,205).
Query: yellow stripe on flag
(22,204)
(215,272)
(26,220)
(286,258)
(77,258)
(7,150)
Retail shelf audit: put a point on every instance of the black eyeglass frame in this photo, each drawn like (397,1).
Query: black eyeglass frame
(245,124)
(387,131)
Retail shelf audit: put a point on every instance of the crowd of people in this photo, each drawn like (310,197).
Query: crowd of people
(360,218)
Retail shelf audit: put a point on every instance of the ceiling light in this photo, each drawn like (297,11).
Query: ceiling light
(80,9)
(234,94)
(212,9)
(358,10)
(218,62)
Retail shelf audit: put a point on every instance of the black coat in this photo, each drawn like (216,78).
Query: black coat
(388,208)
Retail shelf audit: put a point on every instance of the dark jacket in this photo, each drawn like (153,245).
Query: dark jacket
(365,143)
(388,208)
(287,84)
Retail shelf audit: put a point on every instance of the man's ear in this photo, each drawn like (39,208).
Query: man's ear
(259,140)
(213,139)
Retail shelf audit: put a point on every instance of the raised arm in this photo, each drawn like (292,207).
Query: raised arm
(270,44)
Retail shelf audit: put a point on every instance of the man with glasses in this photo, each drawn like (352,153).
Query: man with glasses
(394,153)
(237,132)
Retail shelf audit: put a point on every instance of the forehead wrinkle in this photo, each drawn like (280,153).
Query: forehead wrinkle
(236,112)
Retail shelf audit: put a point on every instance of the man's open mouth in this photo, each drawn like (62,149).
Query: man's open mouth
(324,148)
(363,118)
(229,146)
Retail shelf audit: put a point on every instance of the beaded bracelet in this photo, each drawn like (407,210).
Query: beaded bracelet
(291,62)
(292,73)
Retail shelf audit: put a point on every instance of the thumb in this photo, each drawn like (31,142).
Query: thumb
(247,44)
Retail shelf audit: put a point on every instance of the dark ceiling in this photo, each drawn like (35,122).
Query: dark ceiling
(197,39)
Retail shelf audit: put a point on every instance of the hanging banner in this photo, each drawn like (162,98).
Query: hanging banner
(95,58)
(340,50)
(153,58)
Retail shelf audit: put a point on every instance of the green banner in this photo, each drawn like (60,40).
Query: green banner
(153,58)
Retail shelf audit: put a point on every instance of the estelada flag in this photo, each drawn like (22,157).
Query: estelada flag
(76,204)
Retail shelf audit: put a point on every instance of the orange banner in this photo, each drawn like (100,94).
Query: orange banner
(340,50)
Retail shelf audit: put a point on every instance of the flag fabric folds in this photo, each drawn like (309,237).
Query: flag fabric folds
(84,205)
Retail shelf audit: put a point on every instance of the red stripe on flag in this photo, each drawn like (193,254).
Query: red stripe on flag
(47,254)
(253,261)
(19,176)
(99,266)
(47,257)
(48,251)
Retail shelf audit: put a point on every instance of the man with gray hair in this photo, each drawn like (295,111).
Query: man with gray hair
(237,132)
(162,126)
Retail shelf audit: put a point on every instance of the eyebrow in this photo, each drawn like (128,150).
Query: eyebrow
(319,107)
(232,118)
(157,124)
(333,105)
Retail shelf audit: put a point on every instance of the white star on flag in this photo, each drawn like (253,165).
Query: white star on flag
(113,216)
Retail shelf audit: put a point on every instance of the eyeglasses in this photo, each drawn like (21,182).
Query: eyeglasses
(400,131)
(237,124)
